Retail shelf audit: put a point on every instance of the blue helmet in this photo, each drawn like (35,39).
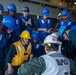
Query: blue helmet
(45,11)
(25,9)
(11,6)
(35,36)
(1,7)
(9,22)
(65,13)
(62,30)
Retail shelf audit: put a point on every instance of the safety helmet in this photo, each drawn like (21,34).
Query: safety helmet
(25,34)
(25,9)
(45,11)
(65,13)
(11,6)
(51,39)
(62,30)
(59,15)
(1,7)
(35,36)
(9,22)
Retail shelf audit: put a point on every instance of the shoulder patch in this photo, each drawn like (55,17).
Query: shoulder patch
(16,21)
(30,19)
(48,21)
(42,21)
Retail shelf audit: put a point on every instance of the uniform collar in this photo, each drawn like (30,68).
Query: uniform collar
(52,52)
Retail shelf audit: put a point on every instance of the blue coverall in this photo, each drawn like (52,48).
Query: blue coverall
(22,23)
(41,23)
(3,41)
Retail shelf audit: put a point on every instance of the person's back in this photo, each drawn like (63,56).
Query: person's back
(56,64)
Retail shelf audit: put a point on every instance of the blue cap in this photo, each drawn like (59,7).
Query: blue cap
(25,9)
(11,6)
(35,36)
(65,13)
(9,22)
(45,11)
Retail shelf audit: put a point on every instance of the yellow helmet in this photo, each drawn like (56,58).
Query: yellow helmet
(59,15)
(25,34)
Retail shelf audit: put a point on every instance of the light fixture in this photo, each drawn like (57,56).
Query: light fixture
(75,3)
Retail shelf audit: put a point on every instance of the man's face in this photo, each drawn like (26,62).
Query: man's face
(34,41)
(25,41)
(47,48)
(9,31)
(65,18)
(12,12)
(25,13)
(45,17)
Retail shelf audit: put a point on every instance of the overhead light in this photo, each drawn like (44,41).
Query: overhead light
(75,3)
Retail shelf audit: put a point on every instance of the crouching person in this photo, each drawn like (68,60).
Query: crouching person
(19,52)
(52,63)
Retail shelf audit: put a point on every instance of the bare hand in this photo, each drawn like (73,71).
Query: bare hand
(44,29)
(49,31)
(29,23)
(9,31)
(31,56)
(10,70)
(26,23)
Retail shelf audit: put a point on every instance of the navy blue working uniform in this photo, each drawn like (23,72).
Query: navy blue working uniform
(3,41)
(5,32)
(37,49)
(65,23)
(15,34)
(22,23)
(41,23)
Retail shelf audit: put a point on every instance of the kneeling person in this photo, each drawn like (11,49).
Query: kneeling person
(19,52)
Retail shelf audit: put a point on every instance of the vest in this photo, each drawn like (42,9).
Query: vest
(22,54)
(56,64)
(44,24)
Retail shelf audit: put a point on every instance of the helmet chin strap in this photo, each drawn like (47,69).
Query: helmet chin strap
(66,35)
